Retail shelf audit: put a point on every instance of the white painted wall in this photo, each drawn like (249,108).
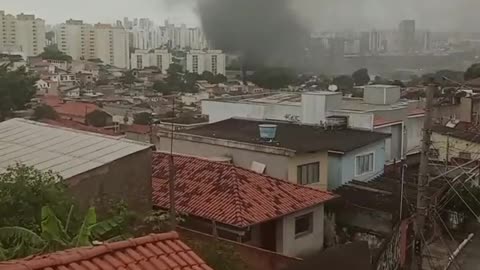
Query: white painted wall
(289,245)
(414,127)
(220,110)
(359,120)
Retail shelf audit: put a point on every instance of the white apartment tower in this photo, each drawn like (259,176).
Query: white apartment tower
(102,41)
(23,33)
(160,59)
(199,61)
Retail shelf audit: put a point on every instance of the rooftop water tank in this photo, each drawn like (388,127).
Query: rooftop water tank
(267,131)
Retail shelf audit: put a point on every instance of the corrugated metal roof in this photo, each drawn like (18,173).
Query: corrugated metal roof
(66,151)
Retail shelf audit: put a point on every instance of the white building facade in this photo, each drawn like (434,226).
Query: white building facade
(381,110)
(23,33)
(160,59)
(199,61)
(103,41)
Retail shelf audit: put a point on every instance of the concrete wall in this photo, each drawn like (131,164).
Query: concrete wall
(455,146)
(137,137)
(289,245)
(315,106)
(127,179)
(279,166)
(221,110)
(367,219)
(381,94)
(253,258)
(276,165)
(321,157)
(393,145)
(414,127)
(342,168)
(462,111)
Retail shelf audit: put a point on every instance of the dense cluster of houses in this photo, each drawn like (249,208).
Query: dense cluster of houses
(282,175)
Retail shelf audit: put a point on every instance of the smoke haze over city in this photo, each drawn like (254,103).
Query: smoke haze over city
(436,15)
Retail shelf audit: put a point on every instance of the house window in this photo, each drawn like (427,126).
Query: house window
(465,155)
(139,62)
(364,164)
(308,173)
(303,225)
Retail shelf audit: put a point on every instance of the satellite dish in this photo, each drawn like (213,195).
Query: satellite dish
(332,88)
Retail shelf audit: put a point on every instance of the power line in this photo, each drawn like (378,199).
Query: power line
(450,252)
(422,239)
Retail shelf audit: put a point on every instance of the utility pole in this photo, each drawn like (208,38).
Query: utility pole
(423,179)
(447,154)
(171,175)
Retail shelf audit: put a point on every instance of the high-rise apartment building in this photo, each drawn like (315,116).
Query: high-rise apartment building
(199,61)
(146,36)
(375,42)
(103,41)
(406,33)
(23,33)
(427,41)
(160,59)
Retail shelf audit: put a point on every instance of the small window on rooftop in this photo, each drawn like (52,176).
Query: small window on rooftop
(303,225)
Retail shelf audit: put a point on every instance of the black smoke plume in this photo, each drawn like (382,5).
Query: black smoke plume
(263,32)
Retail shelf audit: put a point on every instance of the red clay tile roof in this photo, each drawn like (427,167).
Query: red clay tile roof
(229,194)
(152,252)
(416,111)
(73,109)
(138,129)
(380,121)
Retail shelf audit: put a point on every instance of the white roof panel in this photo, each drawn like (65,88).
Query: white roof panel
(66,151)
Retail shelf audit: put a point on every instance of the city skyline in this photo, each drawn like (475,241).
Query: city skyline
(318,15)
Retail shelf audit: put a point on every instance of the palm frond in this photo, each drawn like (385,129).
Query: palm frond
(20,234)
(52,229)
(83,237)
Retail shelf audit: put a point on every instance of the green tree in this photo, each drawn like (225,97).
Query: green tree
(273,78)
(220,78)
(24,190)
(344,82)
(208,76)
(18,241)
(50,35)
(398,83)
(97,118)
(16,89)
(175,70)
(53,53)
(128,78)
(143,118)
(472,72)
(361,77)
(161,87)
(44,111)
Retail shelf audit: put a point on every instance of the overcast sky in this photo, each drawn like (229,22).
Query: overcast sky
(321,14)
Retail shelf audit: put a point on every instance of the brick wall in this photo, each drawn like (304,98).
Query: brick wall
(127,179)
(254,258)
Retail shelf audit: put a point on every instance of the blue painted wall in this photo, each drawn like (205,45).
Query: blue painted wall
(341,168)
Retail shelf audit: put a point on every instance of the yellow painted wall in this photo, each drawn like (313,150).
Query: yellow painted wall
(302,159)
(456,146)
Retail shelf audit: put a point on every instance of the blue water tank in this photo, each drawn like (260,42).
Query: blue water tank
(267,131)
